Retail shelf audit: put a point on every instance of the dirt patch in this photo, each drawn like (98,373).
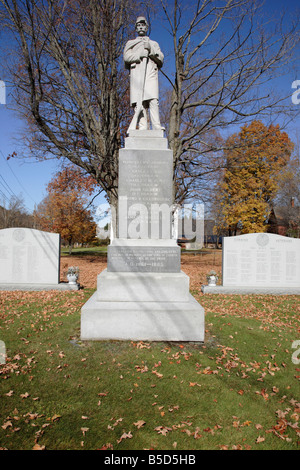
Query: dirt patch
(196,266)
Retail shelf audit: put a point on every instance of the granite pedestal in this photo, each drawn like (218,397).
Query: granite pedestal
(143,294)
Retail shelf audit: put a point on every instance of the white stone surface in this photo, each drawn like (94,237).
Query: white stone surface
(29,256)
(145,193)
(228,290)
(142,321)
(38,287)
(147,287)
(150,133)
(144,242)
(261,260)
(146,142)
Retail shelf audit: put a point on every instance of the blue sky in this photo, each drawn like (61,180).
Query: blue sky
(28,179)
(23,178)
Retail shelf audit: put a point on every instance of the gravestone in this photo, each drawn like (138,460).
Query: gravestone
(260,263)
(29,256)
(29,259)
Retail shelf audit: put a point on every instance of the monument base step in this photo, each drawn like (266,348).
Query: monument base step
(146,287)
(142,321)
(244,290)
(39,287)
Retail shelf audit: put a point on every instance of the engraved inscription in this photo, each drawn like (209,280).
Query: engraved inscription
(143,259)
(262,260)
(29,256)
(144,180)
(145,195)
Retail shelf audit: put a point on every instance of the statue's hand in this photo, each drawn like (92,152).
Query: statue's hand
(145,53)
(147,46)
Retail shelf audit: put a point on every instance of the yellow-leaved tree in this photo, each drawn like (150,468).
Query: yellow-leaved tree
(249,181)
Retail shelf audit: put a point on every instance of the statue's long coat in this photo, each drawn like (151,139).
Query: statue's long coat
(132,58)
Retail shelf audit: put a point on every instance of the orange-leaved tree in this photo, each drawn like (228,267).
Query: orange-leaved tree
(249,181)
(65,208)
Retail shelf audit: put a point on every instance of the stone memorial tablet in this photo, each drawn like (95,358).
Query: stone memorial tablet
(143,259)
(145,192)
(261,260)
(29,256)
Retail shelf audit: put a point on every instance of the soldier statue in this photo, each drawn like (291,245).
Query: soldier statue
(143,58)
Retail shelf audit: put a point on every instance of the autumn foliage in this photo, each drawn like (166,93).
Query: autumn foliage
(249,181)
(64,208)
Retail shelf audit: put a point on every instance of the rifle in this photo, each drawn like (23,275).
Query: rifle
(139,105)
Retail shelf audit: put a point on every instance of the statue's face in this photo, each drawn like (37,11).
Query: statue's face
(141,28)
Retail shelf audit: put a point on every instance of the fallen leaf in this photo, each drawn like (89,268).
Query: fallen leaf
(140,423)
(142,345)
(107,446)
(55,417)
(157,374)
(197,434)
(125,436)
(162,430)
(281,414)
(6,425)
(38,447)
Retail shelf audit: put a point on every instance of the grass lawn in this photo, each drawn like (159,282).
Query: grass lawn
(82,251)
(240,390)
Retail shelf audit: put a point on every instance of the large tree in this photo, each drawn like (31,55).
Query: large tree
(249,182)
(66,209)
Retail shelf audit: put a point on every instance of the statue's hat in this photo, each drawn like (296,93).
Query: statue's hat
(141,18)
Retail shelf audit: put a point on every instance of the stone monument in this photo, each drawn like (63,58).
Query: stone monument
(30,260)
(259,263)
(143,294)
